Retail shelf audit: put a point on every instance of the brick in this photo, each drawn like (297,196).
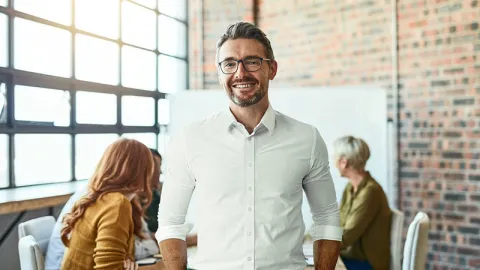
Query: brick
(468,251)
(454,197)
(469,230)
(449,154)
(474,177)
(464,101)
(474,241)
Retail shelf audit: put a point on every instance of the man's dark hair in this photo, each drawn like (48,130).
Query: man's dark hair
(155,153)
(248,31)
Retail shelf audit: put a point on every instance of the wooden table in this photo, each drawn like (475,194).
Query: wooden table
(160,266)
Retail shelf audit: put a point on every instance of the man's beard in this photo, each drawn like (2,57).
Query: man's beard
(247,102)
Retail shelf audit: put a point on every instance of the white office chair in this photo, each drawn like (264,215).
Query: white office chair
(396,229)
(32,246)
(416,244)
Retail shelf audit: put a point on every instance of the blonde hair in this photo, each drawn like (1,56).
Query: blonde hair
(354,150)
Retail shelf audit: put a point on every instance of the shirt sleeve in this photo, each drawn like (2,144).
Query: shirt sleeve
(113,236)
(177,192)
(321,196)
(363,211)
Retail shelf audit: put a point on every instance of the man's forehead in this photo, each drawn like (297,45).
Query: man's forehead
(239,48)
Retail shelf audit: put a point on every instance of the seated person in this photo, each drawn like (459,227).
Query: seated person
(99,231)
(143,247)
(364,212)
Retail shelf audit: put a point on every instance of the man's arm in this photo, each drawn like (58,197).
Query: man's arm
(320,191)
(329,251)
(176,194)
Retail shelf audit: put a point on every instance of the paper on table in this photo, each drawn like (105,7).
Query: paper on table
(310,261)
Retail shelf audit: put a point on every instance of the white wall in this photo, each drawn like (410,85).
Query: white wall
(335,111)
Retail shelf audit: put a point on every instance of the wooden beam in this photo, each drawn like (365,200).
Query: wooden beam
(19,206)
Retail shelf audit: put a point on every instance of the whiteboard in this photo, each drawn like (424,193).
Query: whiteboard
(360,111)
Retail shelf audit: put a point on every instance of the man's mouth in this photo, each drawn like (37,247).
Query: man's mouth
(243,85)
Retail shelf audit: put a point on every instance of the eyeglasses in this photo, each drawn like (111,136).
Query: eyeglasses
(250,64)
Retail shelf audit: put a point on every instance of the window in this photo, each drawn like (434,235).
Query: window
(138,111)
(96,60)
(97,17)
(3,40)
(40,105)
(163,140)
(163,112)
(96,108)
(149,139)
(132,75)
(3,102)
(42,158)
(51,53)
(54,10)
(135,17)
(173,8)
(147,3)
(81,74)
(172,74)
(89,149)
(171,36)
(3,160)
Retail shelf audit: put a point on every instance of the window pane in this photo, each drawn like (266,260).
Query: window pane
(3,102)
(97,16)
(3,160)
(172,74)
(3,3)
(51,53)
(42,158)
(54,10)
(89,148)
(49,106)
(173,8)
(138,25)
(147,3)
(138,68)
(149,139)
(138,111)
(96,60)
(163,140)
(96,108)
(163,111)
(3,40)
(172,36)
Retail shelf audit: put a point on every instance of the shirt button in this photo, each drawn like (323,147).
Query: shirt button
(249,208)
(249,258)
(249,233)
(250,188)
(249,164)
(249,138)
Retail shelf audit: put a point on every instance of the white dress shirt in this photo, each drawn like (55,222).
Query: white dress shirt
(248,192)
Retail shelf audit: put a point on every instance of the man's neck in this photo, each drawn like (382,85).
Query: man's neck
(250,116)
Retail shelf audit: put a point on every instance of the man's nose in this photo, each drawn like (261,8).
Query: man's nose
(240,73)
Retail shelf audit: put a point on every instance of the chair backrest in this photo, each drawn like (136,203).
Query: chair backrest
(396,229)
(416,244)
(40,229)
(31,257)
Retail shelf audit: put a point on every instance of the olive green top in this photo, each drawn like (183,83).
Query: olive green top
(365,218)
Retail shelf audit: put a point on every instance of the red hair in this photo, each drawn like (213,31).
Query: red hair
(126,166)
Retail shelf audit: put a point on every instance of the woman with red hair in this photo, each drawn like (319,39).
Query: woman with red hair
(99,231)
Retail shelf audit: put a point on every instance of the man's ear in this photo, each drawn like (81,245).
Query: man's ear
(273,69)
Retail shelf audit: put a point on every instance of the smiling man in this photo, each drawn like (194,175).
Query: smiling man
(248,167)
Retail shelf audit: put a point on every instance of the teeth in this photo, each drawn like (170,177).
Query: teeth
(244,85)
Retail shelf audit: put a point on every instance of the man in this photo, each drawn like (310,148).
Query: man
(143,247)
(248,166)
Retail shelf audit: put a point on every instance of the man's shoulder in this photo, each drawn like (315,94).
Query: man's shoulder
(204,124)
(293,123)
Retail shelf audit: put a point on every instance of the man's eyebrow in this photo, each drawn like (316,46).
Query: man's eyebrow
(233,58)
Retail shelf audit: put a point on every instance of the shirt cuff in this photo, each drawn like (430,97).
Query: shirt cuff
(173,231)
(326,232)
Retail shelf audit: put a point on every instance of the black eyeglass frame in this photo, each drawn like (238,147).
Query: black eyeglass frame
(241,61)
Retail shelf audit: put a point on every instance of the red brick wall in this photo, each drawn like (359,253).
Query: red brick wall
(439,51)
(344,42)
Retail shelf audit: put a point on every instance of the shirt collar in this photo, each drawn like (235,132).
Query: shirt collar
(268,119)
